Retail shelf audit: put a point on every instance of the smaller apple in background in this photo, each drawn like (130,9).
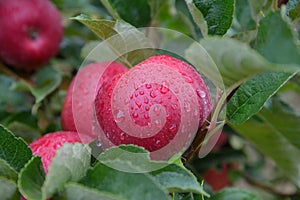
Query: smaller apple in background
(47,145)
(31,31)
(218,178)
(78,106)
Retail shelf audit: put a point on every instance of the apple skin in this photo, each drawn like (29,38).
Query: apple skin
(31,31)
(47,145)
(142,102)
(78,110)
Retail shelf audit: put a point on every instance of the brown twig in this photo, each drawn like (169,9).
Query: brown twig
(202,132)
(196,144)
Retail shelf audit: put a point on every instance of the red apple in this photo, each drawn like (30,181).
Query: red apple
(47,145)
(78,109)
(158,104)
(31,31)
(218,179)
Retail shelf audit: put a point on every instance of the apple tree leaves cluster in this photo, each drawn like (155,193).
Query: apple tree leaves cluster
(253,43)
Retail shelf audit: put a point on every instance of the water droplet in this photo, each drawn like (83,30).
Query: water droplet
(164,89)
(187,107)
(159,68)
(135,115)
(120,116)
(196,113)
(157,141)
(146,116)
(173,128)
(98,143)
(149,125)
(136,86)
(157,110)
(147,108)
(122,137)
(152,94)
(146,100)
(176,90)
(174,106)
(126,101)
(169,117)
(138,103)
(142,92)
(148,86)
(188,79)
(157,123)
(85,91)
(131,96)
(201,93)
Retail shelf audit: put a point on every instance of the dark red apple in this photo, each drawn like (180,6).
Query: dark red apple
(218,179)
(31,31)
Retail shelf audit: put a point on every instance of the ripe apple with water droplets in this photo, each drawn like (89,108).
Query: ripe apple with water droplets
(157,102)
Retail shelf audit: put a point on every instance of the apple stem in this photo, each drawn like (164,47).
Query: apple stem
(194,147)
(33,33)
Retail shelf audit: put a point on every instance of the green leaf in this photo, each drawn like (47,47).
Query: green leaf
(6,171)
(10,99)
(77,191)
(23,117)
(257,7)
(187,196)
(128,186)
(176,21)
(197,17)
(276,40)
(130,158)
(276,134)
(155,6)
(252,95)
(70,163)
(8,190)
(135,12)
(243,16)
(177,179)
(47,79)
(13,150)
(234,61)
(31,179)
(291,122)
(234,194)
(217,13)
(125,42)
(293,9)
